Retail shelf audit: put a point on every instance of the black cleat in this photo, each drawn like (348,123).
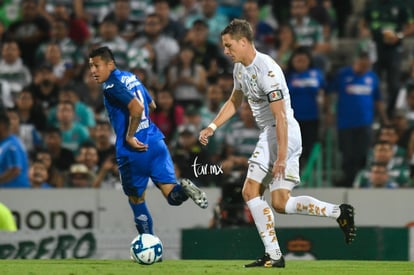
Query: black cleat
(346,222)
(267,262)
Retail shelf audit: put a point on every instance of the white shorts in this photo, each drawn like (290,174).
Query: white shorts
(262,160)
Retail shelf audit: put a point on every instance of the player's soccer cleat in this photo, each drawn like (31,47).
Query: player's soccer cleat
(346,222)
(266,261)
(195,193)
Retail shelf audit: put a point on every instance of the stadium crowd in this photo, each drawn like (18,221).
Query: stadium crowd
(51,105)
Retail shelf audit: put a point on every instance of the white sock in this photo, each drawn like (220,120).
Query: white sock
(265,224)
(305,205)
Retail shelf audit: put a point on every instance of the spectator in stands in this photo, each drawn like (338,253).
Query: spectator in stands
(263,32)
(71,52)
(388,133)
(308,32)
(55,178)
(285,44)
(31,30)
(170,26)
(104,141)
(404,131)
(12,68)
(208,111)
(165,47)
(27,133)
(122,16)
(78,29)
(397,167)
(29,112)
(359,96)
(319,13)
(208,53)
(307,89)
(88,155)
(14,164)
(107,175)
(186,9)
(38,175)
(225,82)
(187,79)
(62,70)
(45,88)
(216,22)
(401,102)
(108,35)
(62,158)
(389,22)
(83,113)
(79,176)
(73,133)
(91,94)
(168,115)
(376,176)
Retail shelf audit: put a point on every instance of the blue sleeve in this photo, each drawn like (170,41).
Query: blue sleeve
(376,88)
(148,97)
(13,158)
(322,81)
(119,93)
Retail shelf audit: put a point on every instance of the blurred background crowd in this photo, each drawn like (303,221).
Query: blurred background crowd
(348,64)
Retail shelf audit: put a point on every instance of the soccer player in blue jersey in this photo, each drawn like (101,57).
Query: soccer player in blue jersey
(141,152)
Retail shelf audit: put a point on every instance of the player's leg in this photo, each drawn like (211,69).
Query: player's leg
(163,174)
(134,185)
(263,217)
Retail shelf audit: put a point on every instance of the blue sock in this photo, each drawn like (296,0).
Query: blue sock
(177,195)
(142,217)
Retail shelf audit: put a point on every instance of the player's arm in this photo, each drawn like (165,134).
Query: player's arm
(135,108)
(152,106)
(279,112)
(226,112)
(9,174)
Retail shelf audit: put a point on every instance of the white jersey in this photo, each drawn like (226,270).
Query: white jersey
(263,82)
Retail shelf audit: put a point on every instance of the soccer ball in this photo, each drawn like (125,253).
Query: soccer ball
(146,249)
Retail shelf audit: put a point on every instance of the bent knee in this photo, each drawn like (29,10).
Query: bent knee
(279,207)
(251,189)
(136,200)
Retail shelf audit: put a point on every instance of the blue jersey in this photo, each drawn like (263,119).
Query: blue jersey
(304,88)
(119,89)
(12,155)
(357,95)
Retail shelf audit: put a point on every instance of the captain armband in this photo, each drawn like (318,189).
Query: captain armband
(274,96)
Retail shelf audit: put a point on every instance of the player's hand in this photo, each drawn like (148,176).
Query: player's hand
(136,144)
(278,170)
(204,135)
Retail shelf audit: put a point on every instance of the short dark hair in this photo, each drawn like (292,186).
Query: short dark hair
(239,28)
(4,118)
(103,52)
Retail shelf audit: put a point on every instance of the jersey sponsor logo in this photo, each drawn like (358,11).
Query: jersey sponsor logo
(275,95)
(270,74)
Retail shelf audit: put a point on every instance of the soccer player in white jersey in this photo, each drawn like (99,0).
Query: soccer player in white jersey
(274,164)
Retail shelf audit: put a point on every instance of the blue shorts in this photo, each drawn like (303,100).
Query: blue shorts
(137,168)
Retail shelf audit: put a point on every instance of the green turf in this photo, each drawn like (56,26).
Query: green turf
(199,267)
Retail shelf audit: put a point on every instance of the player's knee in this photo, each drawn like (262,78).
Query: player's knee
(251,189)
(279,206)
(136,200)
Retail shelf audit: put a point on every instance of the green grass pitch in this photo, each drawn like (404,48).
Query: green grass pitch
(198,267)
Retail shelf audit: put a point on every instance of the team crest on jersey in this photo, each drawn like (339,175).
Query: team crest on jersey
(253,81)
(275,95)
(270,74)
